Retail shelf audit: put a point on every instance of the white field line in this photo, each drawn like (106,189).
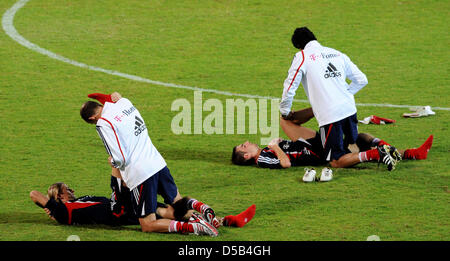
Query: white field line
(8,27)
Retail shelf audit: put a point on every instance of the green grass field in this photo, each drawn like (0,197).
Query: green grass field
(235,46)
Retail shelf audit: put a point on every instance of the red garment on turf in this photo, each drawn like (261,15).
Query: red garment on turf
(240,220)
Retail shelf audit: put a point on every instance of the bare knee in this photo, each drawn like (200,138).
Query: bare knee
(334,164)
(148,224)
(337,164)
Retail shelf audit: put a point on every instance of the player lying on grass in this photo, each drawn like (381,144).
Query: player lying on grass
(305,148)
(62,205)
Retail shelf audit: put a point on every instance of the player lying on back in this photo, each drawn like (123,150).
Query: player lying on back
(62,205)
(304,148)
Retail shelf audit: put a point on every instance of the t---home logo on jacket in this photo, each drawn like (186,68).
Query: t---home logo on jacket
(139,126)
(331,71)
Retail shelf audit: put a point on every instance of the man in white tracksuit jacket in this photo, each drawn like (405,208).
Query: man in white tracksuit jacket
(142,168)
(323,72)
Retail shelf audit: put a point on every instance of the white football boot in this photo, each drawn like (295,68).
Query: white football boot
(201,227)
(327,175)
(310,175)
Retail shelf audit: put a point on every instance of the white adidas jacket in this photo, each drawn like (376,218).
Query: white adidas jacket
(323,72)
(124,134)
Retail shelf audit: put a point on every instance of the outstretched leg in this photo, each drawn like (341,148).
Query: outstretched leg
(294,131)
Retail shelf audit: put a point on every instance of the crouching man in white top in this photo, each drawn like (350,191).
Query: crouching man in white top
(142,168)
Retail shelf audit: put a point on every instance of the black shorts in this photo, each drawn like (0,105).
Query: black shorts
(144,196)
(300,152)
(312,152)
(337,136)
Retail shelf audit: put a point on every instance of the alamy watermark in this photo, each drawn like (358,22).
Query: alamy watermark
(228,118)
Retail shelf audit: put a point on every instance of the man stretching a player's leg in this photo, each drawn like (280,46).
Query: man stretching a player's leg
(143,169)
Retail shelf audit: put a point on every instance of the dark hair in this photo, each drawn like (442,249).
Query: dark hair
(88,109)
(180,208)
(301,37)
(238,158)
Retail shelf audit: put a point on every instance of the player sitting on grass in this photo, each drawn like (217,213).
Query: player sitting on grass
(305,148)
(62,205)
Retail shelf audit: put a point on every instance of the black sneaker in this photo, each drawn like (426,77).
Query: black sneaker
(386,157)
(210,216)
(395,154)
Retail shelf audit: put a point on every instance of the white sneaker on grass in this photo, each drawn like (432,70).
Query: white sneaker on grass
(310,175)
(326,175)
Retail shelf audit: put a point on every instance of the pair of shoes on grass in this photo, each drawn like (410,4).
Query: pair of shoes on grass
(311,175)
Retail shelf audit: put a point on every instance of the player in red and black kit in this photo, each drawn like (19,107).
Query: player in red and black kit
(300,153)
(280,153)
(305,147)
(62,206)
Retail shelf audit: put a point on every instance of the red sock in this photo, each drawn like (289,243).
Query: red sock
(420,153)
(369,155)
(197,205)
(241,219)
(102,98)
(382,142)
(379,142)
(409,154)
(181,227)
